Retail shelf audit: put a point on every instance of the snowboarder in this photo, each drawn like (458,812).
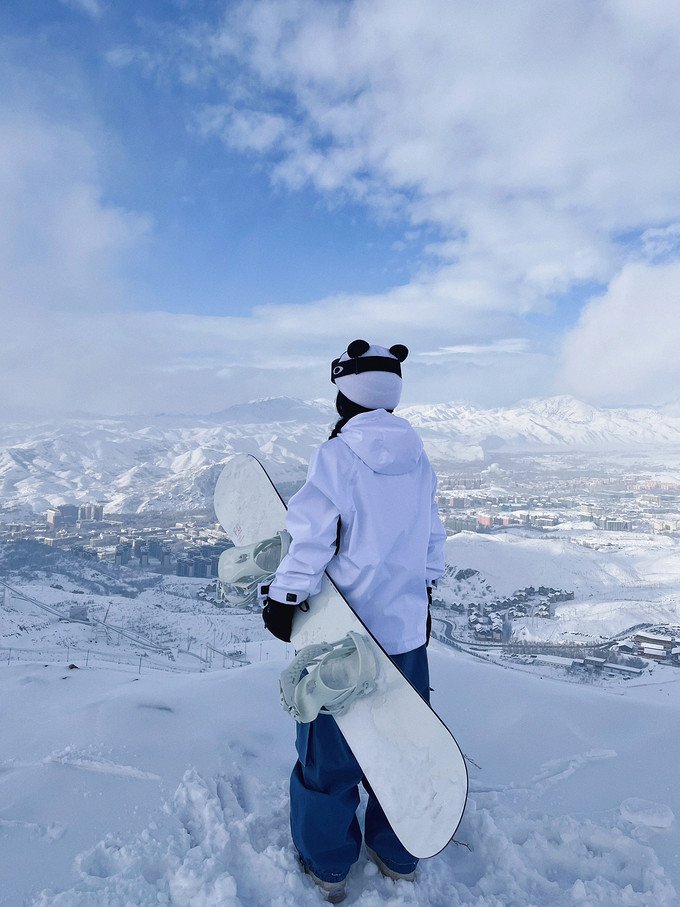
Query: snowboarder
(367,513)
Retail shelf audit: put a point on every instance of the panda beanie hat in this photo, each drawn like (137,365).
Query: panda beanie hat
(370,375)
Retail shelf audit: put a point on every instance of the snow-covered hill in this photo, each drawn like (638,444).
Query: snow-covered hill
(168,789)
(160,462)
(172,462)
(144,779)
(633,580)
(558,423)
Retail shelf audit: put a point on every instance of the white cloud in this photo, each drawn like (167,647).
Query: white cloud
(510,345)
(534,134)
(626,346)
(71,341)
(93,8)
(659,244)
(246,130)
(112,361)
(60,244)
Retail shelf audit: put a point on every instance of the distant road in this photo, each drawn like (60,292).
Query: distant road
(538,648)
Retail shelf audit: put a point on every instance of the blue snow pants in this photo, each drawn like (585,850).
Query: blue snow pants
(324,794)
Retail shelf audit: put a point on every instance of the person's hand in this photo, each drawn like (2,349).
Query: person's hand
(278,618)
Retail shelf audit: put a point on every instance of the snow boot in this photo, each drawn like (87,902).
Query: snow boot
(386,871)
(335,891)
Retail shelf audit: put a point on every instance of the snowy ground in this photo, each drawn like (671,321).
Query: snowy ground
(144,779)
(182,632)
(160,788)
(619,580)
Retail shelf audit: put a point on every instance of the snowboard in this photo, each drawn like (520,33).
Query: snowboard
(407,754)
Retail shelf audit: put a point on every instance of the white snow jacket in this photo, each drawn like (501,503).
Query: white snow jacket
(376,478)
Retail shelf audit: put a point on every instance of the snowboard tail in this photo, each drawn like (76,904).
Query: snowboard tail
(409,757)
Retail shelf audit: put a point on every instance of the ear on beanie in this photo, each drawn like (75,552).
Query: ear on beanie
(358,348)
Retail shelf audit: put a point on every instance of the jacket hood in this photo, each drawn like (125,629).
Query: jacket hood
(386,443)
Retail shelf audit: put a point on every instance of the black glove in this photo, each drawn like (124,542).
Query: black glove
(428,626)
(278,618)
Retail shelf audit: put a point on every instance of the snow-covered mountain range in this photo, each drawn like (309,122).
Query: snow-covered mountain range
(557,423)
(172,462)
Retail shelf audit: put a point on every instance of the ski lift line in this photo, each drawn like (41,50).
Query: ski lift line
(139,640)
(34,601)
(133,637)
(94,621)
(239,658)
(200,658)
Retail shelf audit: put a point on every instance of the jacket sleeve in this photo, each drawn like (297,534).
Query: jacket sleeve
(312,521)
(435,552)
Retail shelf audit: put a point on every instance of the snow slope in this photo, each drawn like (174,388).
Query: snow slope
(630,579)
(511,561)
(125,789)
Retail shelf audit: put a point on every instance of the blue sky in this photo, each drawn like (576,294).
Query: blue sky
(203,202)
(224,238)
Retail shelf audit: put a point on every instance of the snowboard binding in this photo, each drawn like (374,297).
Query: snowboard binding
(326,678)
(242,570)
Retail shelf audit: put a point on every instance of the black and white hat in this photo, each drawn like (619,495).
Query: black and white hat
(370,375)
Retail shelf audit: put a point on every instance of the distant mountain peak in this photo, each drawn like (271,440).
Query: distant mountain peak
(172,462)
(275,409)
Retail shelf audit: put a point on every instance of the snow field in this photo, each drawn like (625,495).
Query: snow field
(634,580)
(172,789)
(167,615)
(509,562)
